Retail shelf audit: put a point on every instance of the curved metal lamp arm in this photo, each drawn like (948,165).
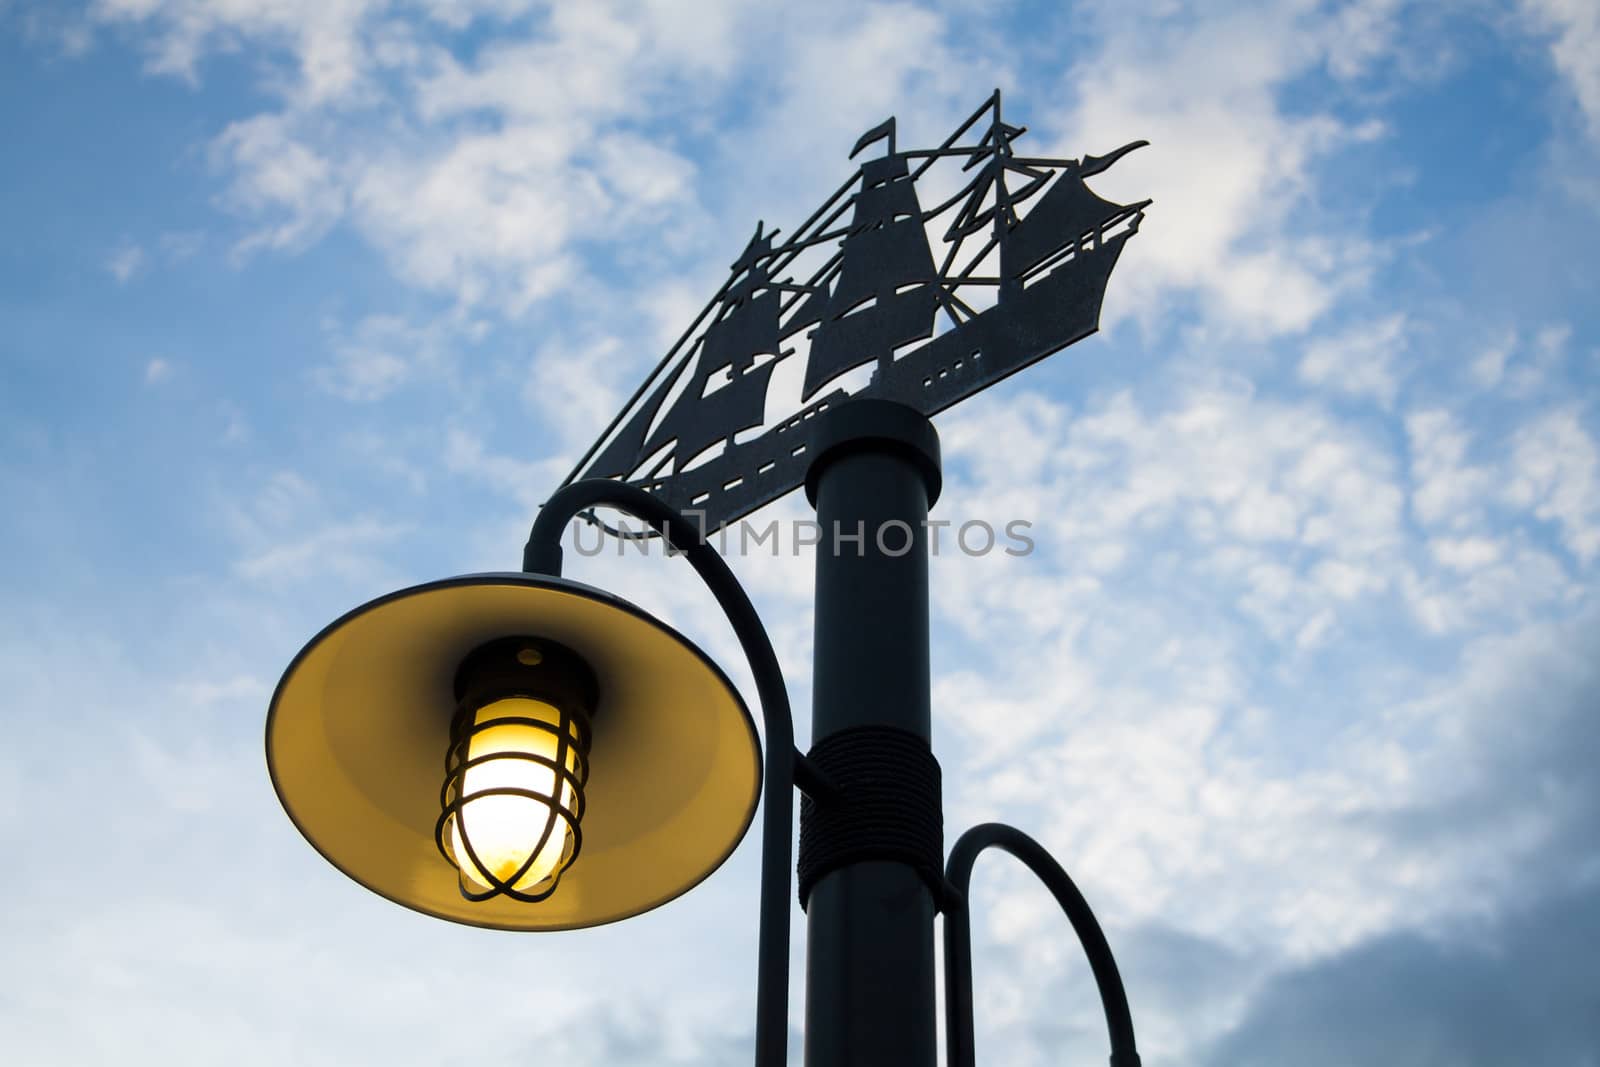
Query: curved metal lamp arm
(543,555)
(958,941)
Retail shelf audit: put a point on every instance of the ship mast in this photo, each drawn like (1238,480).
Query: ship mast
(998,160)
(884,296)
(1000,137)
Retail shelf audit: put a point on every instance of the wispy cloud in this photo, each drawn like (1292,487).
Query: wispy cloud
(1489,367)
(1231,169)
(1555,472)
(287,536)
(1360,361)
(325,41)
(277,172)
(382,353)
(125,262)
(1575,50)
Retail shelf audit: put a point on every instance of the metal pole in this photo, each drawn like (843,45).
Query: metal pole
(543,556)
(870,956)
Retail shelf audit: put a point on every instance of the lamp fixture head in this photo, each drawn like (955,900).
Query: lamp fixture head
(621,737)
(512,801)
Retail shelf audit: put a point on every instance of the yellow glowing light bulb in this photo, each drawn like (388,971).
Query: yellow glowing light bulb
(505,827)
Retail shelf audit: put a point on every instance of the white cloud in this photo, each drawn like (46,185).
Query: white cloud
(1232,172)
(1361,34)
(1552,340)
(498,169)
(157,370)
(1555,471)
(1489,367)
(575,389)
(1485,582)
(1166,515)
(1480,517)
(180,245)
(580,72)
(1539,362)
(362,372)
(1360,361)
(1346,581)
(382,353)
(1464,553)
(204,692)
(1216,460)
(1406,818)
(1575,50)
(235,427)
(324,37)
(478,213)
(1447,490)
(527,482)
(287,535)
(1143,740)
(274,171)
(125,262)
(488,220)
(342,548)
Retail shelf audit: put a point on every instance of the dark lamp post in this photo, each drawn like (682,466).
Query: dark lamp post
(596,764)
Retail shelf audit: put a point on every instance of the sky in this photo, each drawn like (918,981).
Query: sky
(308,300)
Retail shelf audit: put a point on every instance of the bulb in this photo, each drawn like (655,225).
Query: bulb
(505,827)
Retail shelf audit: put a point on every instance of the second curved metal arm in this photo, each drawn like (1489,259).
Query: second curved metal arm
(958,941)
(543,555)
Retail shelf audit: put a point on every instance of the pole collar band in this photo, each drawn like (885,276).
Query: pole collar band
(870,424)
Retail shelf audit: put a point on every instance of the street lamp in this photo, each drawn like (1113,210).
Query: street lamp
(622,738)
(595,763)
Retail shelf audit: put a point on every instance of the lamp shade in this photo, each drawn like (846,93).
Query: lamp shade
(359,728)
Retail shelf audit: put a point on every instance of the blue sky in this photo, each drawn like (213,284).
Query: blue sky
(302,302)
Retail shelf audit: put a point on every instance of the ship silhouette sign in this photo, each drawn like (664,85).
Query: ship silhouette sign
(929,275)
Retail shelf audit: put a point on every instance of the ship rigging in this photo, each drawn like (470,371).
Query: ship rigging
(875,298)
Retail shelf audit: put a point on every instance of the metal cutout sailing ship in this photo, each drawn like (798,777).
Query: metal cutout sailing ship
(1009,287)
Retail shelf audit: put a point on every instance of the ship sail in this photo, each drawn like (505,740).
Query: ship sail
(698,421)
(625,449)
(885,296)
(1067,211)
(746,329)
(809,313)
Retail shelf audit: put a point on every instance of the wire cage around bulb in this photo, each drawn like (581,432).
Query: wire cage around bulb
(512,802)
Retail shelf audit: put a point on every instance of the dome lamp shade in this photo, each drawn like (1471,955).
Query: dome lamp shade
(596,764)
